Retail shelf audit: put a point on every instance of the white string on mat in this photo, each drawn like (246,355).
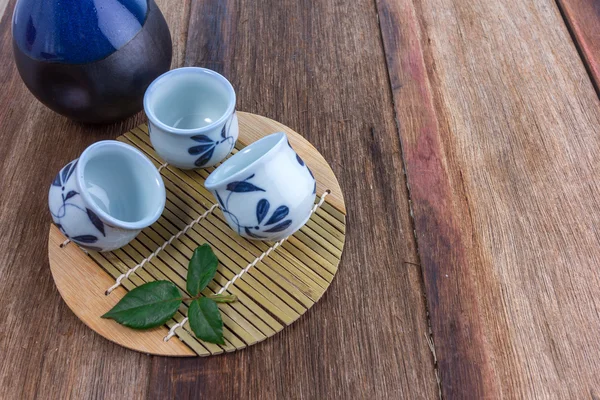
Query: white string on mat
(161,248)
(163,166)
(252,264)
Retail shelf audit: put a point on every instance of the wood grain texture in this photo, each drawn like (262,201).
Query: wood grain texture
(48,352)
(499,126)
(319,68)
(583,18)
(3,4)
(316,67)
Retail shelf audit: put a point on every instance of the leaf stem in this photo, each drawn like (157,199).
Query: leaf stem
(223,298)
(219,298)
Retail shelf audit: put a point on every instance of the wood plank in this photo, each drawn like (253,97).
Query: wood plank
(319,68)
(499,128)
(583,19)
(52,354)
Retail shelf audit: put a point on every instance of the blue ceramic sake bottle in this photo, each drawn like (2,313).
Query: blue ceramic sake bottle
(90,60)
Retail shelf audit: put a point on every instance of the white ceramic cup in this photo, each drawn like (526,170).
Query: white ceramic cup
(192,119)
(103,199)
(265,190)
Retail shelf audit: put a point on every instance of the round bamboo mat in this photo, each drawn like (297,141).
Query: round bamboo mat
(272,295)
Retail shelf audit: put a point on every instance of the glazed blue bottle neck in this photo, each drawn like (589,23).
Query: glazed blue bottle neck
(76,31)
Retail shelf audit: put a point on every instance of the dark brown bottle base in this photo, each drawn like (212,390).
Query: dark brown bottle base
(106,90)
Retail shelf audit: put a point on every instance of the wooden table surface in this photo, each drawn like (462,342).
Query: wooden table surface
(466,137)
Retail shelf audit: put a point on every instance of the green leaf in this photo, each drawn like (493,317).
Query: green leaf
(205,320)
(147,306)
(223,298)
(201,269)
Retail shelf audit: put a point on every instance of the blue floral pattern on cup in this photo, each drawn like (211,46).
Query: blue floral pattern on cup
(301,162)
(61,180)
(275,223)
(265,190)
(191,117)
(103,199)
(205,146)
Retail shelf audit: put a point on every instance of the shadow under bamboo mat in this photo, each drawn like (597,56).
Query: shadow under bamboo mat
(271,295)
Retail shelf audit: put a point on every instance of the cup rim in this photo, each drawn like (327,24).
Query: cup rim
(230,106)
(109,219)
(211,181)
